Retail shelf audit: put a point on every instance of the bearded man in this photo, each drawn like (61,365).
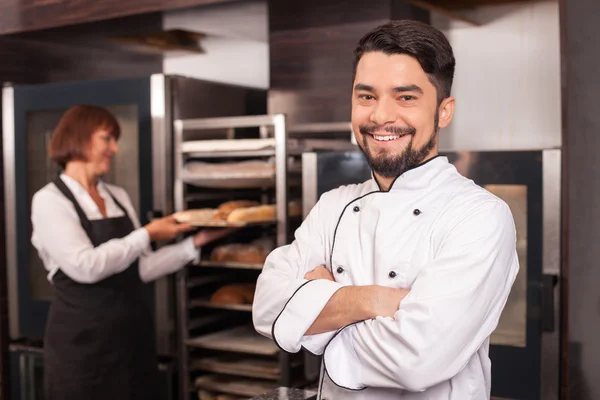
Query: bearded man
(399,281)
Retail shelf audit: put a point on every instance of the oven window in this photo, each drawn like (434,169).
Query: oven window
(512,328)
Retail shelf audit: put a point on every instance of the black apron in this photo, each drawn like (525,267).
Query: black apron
(100,341)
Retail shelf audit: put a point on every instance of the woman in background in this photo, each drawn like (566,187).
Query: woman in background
(99,341)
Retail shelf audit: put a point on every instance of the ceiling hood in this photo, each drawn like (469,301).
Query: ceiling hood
(162,41)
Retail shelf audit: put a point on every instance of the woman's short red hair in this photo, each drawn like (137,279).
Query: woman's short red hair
(72,135)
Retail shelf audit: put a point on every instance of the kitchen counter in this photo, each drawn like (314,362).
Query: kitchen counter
(287,394)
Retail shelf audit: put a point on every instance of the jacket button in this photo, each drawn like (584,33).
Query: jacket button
(392,274)
(356,209)
(340,270)
(416,211)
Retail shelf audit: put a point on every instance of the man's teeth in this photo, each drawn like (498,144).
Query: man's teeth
(385,138)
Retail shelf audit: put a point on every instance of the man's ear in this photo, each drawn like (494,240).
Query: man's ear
(446,111)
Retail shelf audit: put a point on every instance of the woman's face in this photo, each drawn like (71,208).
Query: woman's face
(103,146)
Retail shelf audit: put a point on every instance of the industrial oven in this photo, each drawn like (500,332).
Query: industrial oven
(524,348)
(145,108)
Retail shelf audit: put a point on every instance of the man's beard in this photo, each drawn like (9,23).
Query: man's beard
(390,165)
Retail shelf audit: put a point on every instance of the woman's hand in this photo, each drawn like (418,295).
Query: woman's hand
(167,228)
(206,236)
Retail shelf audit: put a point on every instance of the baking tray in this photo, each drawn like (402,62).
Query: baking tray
(239,365)
(229,264)
(234,385)
(242,339)
(209,304)
(225,224)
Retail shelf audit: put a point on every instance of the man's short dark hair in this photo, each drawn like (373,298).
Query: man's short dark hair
(426,44)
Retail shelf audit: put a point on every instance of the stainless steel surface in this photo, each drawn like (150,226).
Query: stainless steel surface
(30,375)
(309,182)
(10,218)
(449,141)
(551,265)
(245,121)
(182,324)
(512,326)
(23,378)
(178,195)
(222,154)
(324,144)
(551,211)
(309,128)
(281,186)
(181,276)
(162,195)
(451,147)
(160,111)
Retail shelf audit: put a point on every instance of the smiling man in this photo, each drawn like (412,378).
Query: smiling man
(399,281)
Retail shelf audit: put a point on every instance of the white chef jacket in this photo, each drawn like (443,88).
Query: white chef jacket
(452,243)
(62,243)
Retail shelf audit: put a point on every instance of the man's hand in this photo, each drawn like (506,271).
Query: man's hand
(319,273)
(383,301)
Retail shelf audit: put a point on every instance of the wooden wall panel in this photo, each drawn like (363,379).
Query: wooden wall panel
(311,71)
(29,15)
(311,54)
(580,62)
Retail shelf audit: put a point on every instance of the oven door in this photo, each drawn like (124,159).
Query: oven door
(30,113)
(529,182)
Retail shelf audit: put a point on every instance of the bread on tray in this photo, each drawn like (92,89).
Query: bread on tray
(237,293)
(228,207)
(237,212)
(251,253)
(262,213)
(195,217)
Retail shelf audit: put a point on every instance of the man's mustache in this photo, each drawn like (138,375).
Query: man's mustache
(394,130)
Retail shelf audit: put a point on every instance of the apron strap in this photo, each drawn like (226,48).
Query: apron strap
(116,201)
(85,222)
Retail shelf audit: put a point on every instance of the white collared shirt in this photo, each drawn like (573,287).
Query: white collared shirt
(62,243)
(452,243)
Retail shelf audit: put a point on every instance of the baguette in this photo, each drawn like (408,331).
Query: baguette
(263,213)
(226,208)
(198,216)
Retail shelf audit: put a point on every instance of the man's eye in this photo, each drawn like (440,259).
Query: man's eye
(407,98)
(366,97)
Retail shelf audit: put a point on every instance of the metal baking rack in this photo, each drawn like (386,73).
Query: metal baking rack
(219,351)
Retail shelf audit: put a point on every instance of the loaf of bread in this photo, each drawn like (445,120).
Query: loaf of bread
(240,252)
(195,217)
(226,208)
(240,293)
(262,213)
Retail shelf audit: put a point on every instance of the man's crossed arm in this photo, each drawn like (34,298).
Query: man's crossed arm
(351,304)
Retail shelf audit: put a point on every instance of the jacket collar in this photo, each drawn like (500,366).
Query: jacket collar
(419,177)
